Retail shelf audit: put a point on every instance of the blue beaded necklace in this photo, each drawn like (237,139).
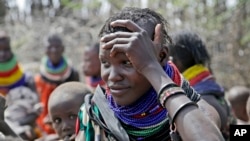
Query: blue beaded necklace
(145,112)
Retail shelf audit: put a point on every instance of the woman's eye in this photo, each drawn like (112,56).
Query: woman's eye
(127,63)
(72,116)
(105,63)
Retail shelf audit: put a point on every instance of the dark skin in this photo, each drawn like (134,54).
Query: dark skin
(63,110)
(54,51)
(91,63)
(5,50)
(144,54)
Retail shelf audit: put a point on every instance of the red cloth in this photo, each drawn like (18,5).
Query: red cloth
(44,90)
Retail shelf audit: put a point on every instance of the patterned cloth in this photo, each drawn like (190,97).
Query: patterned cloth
(11,75)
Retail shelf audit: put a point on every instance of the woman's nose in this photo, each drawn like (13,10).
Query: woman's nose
(115,74)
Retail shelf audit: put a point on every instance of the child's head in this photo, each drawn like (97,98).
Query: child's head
(5,48)
(91,62)
(126,84)
(237,97)
(55,49)
(188,49)
(63,106)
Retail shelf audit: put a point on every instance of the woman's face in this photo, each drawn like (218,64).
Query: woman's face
(125,84)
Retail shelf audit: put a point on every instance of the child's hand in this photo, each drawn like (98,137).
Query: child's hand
(137,44)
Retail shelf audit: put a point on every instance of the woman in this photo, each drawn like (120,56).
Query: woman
(143,99)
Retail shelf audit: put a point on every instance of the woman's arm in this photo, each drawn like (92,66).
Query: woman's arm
(191,122)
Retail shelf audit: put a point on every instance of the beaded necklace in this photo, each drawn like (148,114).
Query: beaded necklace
(11,75)
(146,117)
(55,73)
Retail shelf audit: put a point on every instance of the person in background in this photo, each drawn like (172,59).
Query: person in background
(55,69)
(248,109)
(237,97)
(11,73)
(146,97)
(191,57)
(92,66)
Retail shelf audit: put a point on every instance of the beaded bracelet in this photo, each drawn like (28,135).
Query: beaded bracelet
(166,86)
(181,107)
(169,93)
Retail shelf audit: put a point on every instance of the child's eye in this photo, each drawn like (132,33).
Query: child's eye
(57,120)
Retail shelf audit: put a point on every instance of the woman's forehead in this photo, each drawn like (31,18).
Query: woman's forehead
(105,53)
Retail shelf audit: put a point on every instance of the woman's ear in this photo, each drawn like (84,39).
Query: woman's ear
(163,55)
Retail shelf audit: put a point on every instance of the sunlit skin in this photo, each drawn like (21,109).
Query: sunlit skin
(63,110)
(54,51)
(91,62)
(5,51)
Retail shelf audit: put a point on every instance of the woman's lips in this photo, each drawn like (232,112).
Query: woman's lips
(118,90)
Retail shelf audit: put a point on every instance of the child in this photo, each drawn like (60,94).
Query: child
(63,106)
(91,66)
(143,99)
(55,70)
(237,97)
(191,57)
(11,73)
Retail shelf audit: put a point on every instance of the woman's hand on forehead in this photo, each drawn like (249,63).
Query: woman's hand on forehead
(137,44)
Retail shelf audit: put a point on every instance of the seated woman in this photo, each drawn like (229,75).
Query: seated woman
(146,96)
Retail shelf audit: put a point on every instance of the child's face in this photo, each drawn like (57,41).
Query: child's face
(63,113)
(5,51)
(54,52)
(91,63)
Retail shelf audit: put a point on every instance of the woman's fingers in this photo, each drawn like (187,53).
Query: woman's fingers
(157,35)
(127,24)
(112,36)
(120,42)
